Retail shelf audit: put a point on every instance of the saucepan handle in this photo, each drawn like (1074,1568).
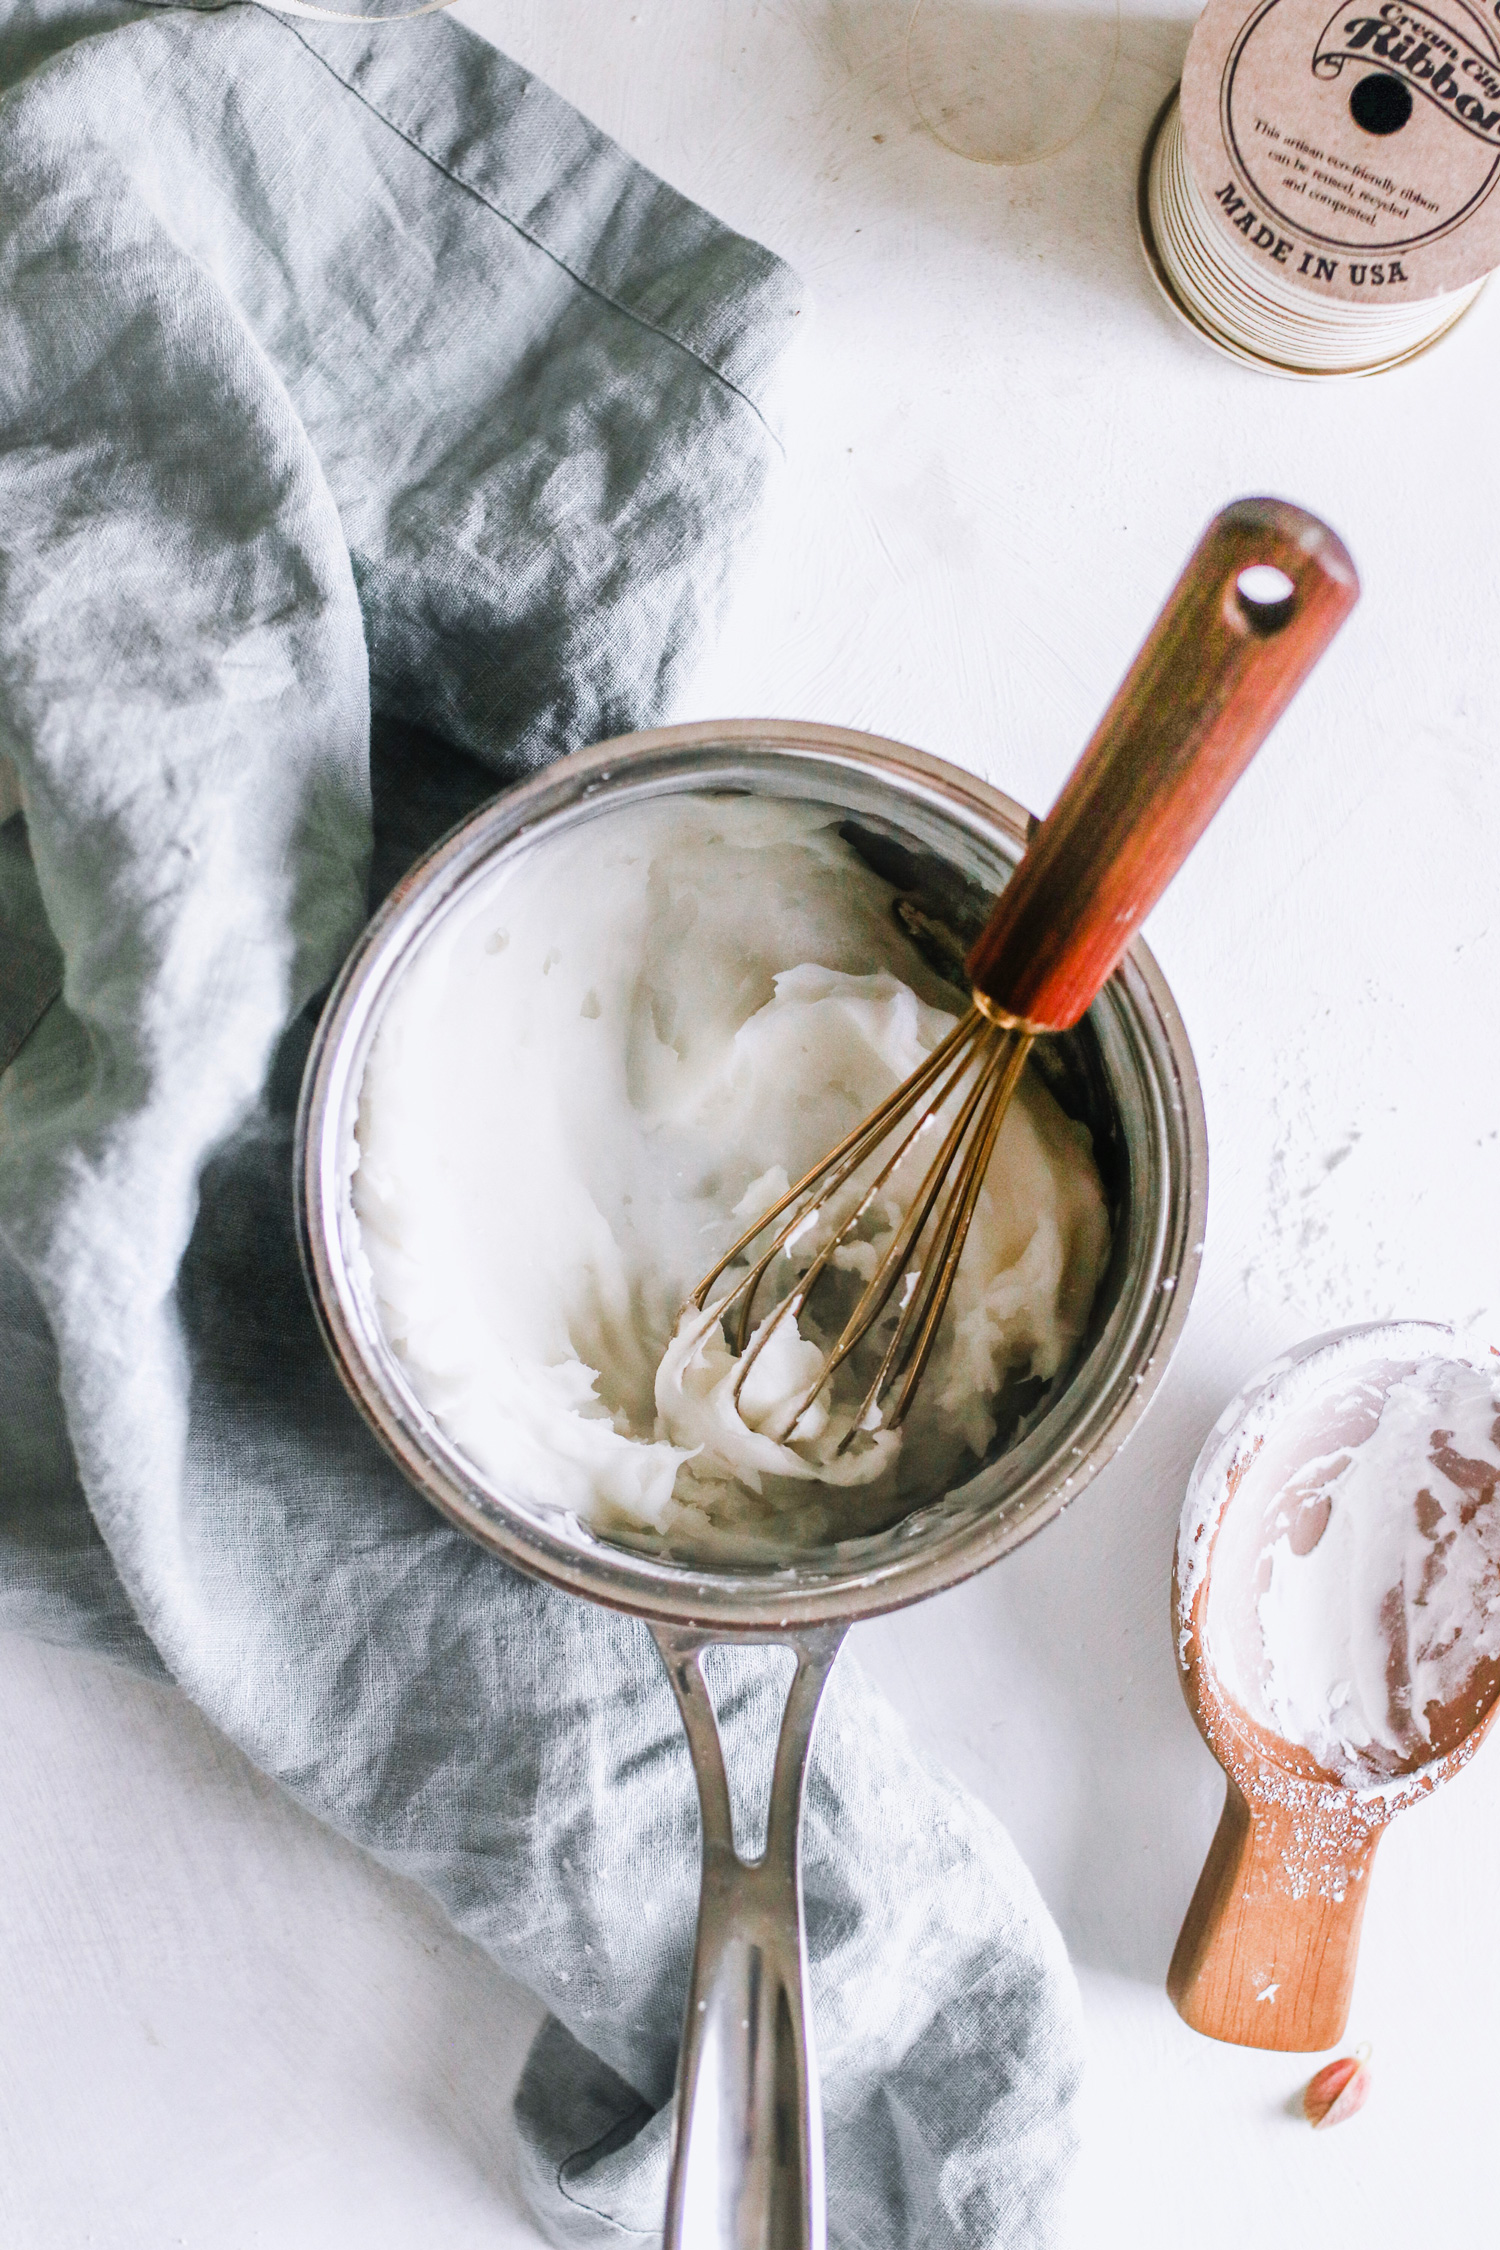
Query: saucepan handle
(747,2157)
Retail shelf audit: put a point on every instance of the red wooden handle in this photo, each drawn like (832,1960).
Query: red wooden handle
(1216,673)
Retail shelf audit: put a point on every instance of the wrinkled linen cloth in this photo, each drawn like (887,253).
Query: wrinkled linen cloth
(366,416)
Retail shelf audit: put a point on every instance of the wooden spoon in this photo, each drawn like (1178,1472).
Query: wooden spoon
(1267,1953)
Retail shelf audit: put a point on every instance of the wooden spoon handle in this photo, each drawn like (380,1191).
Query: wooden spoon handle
(1216,673)
(1267,1954)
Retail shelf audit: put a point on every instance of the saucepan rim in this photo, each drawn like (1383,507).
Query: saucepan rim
(1094,1410)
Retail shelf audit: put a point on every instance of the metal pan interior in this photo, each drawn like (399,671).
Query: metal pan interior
(947,843)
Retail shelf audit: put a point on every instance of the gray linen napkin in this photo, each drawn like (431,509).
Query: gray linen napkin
(365,415)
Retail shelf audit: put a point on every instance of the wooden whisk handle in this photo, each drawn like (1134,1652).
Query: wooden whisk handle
(1220,666)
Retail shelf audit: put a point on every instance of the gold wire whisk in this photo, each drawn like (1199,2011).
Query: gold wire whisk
(922,1256)
(1262,596)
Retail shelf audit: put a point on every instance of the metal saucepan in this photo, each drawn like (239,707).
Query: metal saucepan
(747,2159)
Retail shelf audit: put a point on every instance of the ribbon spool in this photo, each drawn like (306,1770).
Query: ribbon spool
(1318,197)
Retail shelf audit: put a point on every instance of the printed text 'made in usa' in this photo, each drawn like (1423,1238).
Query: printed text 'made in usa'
(1365,273)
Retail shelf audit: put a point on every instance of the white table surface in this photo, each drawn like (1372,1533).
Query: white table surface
(220,2026)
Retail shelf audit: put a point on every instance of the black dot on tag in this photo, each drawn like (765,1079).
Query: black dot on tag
(1380,104)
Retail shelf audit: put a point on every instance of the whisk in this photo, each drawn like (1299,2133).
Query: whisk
(1261,597)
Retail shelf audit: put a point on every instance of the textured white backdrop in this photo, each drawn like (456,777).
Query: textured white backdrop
(221,2027)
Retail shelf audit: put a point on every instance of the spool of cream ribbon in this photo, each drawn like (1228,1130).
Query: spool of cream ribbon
(1321,195)
(1254,315)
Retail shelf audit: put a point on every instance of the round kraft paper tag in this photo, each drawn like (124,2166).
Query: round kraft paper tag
(1353,154)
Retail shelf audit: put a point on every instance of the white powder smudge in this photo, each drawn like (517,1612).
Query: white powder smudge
(1331,1244)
